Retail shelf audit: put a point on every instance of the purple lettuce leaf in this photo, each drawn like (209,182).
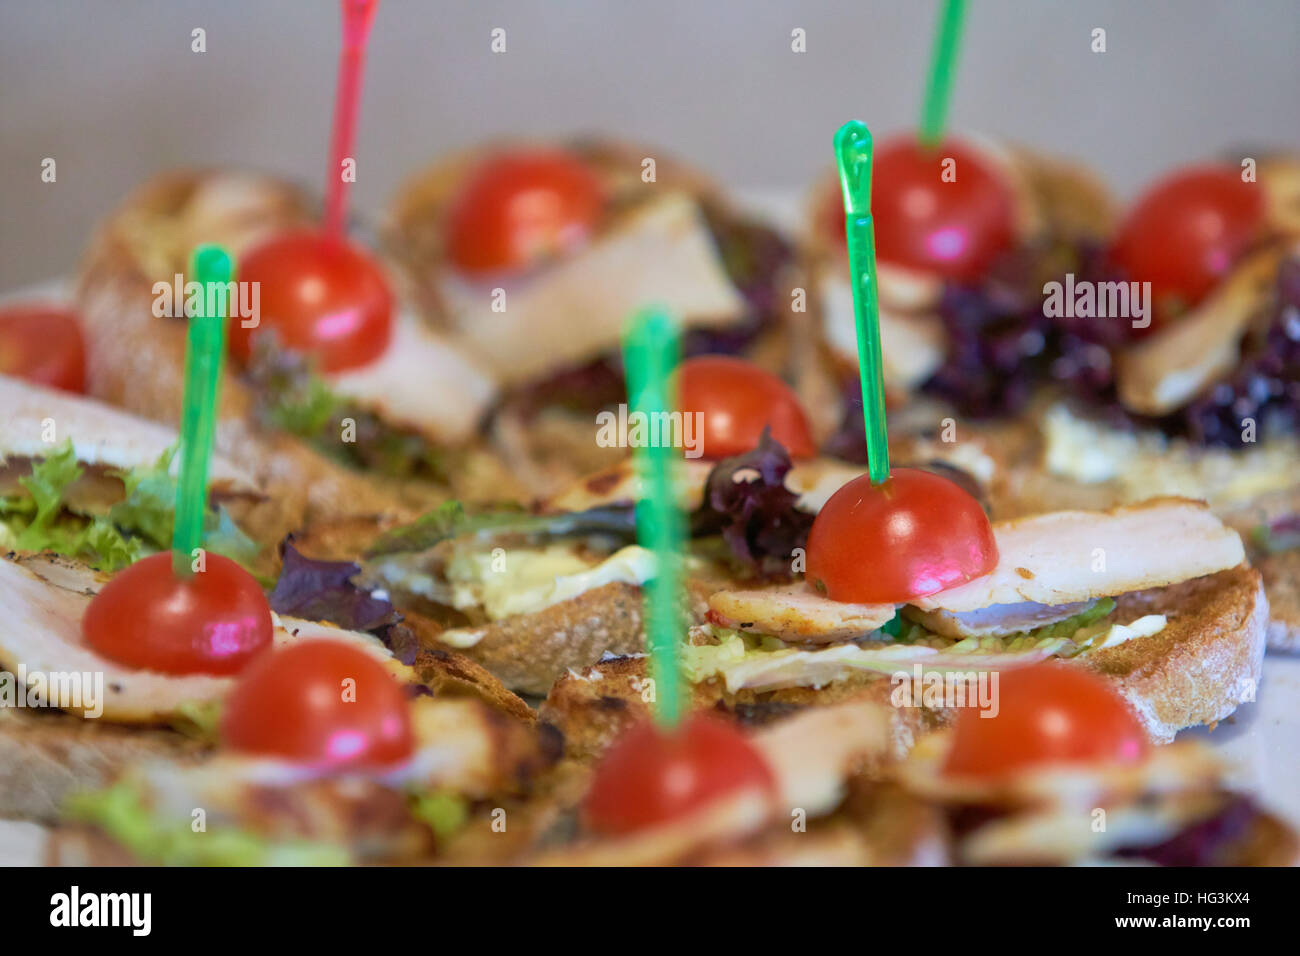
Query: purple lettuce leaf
(747,503)
(324,591)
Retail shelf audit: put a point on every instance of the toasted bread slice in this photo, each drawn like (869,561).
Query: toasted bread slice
(136,360)
(528,653)
(591,707)
(46,754)
(1281,573)
(1205,663)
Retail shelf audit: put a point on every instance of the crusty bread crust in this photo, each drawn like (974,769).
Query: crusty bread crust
(591,707)
(1206,661)
(46,756)
(1281,573)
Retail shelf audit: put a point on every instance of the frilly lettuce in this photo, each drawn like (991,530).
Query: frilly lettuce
(139,524)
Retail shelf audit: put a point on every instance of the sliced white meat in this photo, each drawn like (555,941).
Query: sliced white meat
(813,753)
(797,614)
(618,484)
(1169,369)
(422,382)
(44,598)
(913,343)
(101,434)
(996,621)
(574,310)
(816,479)
(1068,556)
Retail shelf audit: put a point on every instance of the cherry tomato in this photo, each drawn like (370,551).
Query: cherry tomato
(915,534)
(1186,232)
(955,229)
(521,207)
(1047,713)
(212,622)
(650,776)
(737,399)
(43,344)
(321,703)
(321,296)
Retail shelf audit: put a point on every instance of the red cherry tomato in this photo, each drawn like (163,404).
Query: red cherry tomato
(321,296)
(212,622)
(322,703)
(521,207)
(954,229)
(650,777)
(43,344)
(1186,232)
(737,399)
(1047,713)
(915,534)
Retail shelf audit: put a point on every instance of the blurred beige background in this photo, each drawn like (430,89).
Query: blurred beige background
(110,89)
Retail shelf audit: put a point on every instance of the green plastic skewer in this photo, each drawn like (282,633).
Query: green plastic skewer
(853,155)
(943,64)
(651,351)
(203,354)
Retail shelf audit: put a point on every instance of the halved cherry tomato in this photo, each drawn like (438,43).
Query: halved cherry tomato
(955,229)
(321,703)
(737,399)
(1186,232)
(43,344)
(1046,714)
(914,534)
(322,296)
(650,776)
(520,207)
(212,622)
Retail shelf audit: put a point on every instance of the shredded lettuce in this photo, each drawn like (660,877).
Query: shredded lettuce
(200,720)
(120,813)
(741,651)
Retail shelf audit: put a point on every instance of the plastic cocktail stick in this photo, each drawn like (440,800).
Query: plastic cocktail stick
(943,64)
(357,17)
(651,351)
(853,155)
(203,356)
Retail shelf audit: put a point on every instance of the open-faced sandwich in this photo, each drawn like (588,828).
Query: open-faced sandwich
(1060,774)
(1158,358)
(1155,596)
(967,213)
(343,402)
(531,256)
(532,593)
(87,691)
(325,758)
(91,482)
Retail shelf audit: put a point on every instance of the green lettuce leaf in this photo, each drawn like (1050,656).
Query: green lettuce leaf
(139,524)
(445,812)
(148,510)
(450,520)
(120,813)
